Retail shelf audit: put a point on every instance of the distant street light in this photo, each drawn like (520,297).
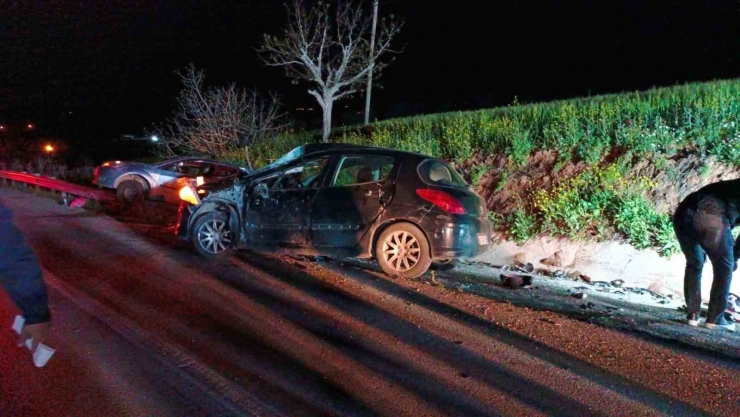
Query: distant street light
(155,138)
(2,127)
(30,126)
(49,149)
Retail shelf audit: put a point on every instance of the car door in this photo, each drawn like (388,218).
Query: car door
(360,189)
(257,203)
(283,215)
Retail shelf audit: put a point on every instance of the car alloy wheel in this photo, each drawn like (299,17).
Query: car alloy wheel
(401,251)
(214,236)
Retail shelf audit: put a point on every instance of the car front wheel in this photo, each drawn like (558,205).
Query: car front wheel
(212,235)
(402,250)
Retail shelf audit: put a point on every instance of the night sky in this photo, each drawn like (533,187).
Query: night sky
(112,63)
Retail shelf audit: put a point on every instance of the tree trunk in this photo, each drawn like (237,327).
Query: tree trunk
(372,64)
(328,103)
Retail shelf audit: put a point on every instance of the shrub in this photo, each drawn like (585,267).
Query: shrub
(664,236)
(522,226)
(634,218)
(520,146)
(601,199)
(477,173)
(456,139)
(502,182)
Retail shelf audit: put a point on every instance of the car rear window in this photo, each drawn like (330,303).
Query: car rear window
(436,172)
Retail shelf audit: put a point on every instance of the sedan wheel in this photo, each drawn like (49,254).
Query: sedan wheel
(402,250)
(212,236)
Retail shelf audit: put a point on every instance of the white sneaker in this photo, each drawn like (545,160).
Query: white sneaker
(721,324)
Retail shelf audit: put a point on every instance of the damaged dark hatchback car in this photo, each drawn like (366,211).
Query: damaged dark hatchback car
(408,211)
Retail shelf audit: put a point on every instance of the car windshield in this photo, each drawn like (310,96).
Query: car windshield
(436,172)
(294,154)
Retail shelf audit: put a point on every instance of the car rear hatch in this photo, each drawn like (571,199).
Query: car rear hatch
(473,204)
(445,181)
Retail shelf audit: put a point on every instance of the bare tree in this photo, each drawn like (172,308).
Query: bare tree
(329,50)
(214,120)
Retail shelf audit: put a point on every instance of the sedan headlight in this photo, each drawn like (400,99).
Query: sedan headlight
(188,194)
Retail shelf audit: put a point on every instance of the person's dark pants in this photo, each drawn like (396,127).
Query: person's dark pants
(703,230)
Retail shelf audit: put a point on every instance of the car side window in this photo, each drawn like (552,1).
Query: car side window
(192,168)
(308,175)
(221,171)
(362,169)
(265,183)
(172,166)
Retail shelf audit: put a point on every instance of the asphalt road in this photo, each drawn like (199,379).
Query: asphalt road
(144,327)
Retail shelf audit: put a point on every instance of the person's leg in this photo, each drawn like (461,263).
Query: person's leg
(723,262)
(695,259)
(715,237)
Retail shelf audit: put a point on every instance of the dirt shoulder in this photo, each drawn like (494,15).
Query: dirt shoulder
(632,309)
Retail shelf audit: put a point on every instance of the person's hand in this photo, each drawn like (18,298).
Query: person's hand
(37,331)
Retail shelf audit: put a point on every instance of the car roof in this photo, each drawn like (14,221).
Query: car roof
(317,149)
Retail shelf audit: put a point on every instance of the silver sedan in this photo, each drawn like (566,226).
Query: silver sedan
(134,181)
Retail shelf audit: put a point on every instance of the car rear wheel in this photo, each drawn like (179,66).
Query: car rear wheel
(212,235)
(444,265)
(130,192)
(402,250)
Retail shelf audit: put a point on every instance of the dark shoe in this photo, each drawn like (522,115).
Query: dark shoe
(720,323)
(692,319)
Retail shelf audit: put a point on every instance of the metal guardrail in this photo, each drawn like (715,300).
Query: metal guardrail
(58,185)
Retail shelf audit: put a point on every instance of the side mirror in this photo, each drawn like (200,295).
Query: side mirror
(262,191)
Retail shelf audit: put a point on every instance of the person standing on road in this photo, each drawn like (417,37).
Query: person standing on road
(703,223)
(22,279)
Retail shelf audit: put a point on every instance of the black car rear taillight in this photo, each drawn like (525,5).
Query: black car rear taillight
(441,199)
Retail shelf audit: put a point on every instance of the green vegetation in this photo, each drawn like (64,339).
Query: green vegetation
(477,173)
(702,118)
(599,202)
(522,226)
(655,122)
